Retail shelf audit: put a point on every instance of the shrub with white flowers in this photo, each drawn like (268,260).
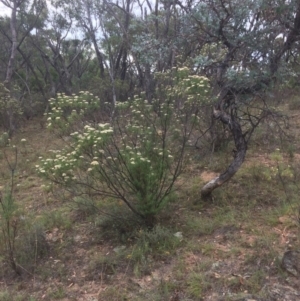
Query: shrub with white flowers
(135,158)
(68,112)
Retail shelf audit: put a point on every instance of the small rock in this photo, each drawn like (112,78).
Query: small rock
(280,292)
(291,262)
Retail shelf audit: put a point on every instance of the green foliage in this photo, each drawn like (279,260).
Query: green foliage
(58,294)
(5,296)
(259,172)
(286,175)
(256,281)
(13,296)
(31,245)
(4,139)
(283,172)
(9,225)
(10,110)
(55,219)
(294,103)
(197,285)
(66,111)
(22,242)
(117,230)
(138,156)
(114,293)
(157,244)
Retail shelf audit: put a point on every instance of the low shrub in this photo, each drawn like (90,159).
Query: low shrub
(137,157)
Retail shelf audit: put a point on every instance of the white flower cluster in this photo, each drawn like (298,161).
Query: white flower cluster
(68,108)
(139,150)
(64,164)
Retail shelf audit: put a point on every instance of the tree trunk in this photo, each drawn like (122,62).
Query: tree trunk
(13,26)
(226,98)
(91,31)
(11,61)
(241,149)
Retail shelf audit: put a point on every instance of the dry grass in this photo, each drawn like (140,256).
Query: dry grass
(230,246)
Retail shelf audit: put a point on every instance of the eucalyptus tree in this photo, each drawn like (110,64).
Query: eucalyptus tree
(243,47)
(60,51)
(5,46)
(24,18)
(18,7)
(79,54)
(156,37)
(14,5)
(114,20)
(85,14)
